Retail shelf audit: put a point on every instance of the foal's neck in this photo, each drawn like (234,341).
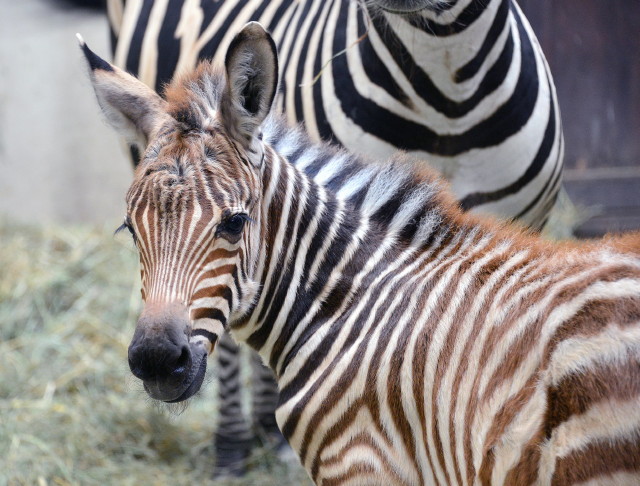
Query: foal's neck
(320,250)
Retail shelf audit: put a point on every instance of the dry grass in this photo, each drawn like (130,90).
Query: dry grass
(69,412)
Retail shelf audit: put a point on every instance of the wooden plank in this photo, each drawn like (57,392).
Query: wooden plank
(607,224)
(613,197)
(593,49)
(619,193)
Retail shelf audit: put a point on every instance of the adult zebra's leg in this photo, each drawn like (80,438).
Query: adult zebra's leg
(233,438)
(264,402)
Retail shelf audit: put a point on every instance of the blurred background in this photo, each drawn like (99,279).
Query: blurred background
(59,161)
(593,49)
(69,291)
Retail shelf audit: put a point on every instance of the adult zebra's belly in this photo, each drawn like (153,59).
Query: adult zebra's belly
(505,161)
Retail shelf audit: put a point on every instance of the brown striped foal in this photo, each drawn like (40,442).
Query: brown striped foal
(412,343)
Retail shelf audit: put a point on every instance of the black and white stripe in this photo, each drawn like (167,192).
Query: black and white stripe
(462,84)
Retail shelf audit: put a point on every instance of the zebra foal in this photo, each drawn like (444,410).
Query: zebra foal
(461,84)
(412,343)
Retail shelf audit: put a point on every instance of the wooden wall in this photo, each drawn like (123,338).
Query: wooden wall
(593,49)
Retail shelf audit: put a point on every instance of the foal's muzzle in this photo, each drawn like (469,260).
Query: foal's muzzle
(161,354)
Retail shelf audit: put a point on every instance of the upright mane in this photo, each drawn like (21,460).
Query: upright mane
(194,97)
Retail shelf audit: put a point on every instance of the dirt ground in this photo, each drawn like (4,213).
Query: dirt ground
(59,162)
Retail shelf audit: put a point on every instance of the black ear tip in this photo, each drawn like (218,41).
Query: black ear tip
(95,61)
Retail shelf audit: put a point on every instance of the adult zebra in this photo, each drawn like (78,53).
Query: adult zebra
(461,83)
(413,344)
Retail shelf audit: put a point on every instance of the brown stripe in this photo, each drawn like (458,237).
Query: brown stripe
(464,364)
(360,439)
(529,340)
(221,253)
(329,403)
(342,383)
(599,458)
(215,291)
(368,395)
(486,468)
(183,217)
(395,389)
(526,471)
(501,421)
(360,470)
(561,404)
(594,316)
(137,213)
(576,393)
(444,359)
(217,272)
(271,224)
(480,278)
(196,265)
(331,435)
(196,250)
(423,344)
(493,339)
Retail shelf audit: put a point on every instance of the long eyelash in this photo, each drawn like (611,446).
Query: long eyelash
(126,225)
(120,228)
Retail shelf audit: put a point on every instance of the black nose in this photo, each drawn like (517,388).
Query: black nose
(159,359)
(160,348)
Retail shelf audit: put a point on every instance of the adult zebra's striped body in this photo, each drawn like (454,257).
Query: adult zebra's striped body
(461,84)
(413,344)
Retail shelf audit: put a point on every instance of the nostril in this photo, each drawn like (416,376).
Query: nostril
(184,360)
(136,364)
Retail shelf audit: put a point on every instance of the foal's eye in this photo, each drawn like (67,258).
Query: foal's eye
(127,225)
(234,224)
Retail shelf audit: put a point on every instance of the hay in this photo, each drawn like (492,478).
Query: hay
(70,412)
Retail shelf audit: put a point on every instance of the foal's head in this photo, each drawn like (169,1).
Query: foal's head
(193,208)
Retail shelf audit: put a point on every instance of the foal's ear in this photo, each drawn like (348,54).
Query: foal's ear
(131,107)
(252,78)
